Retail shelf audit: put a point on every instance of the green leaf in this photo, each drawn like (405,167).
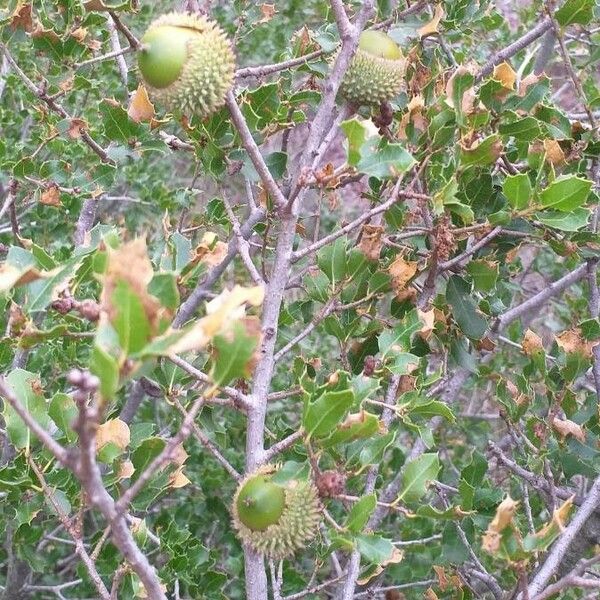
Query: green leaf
(471,478)
(431,408)
(565,221)
(417,475)
(357,426)
(566,193)
(129,318)
(575,11)
(118,126)
(374,548)
(145,453)
(517,189)
(326,412)
(402,363)
(453,513)
(523,130)
(356,134)
(42,291)
(484,153)
(103,363)
(25,386)
(164,287)
(374,449)
(383,159)
(332,260)
(361,512)
(463,308)
(398,339)
(484,274)
(62,411)
(232,354)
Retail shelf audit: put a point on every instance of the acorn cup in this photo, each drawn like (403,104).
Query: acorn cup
(187,63)
(376,72)
(275,519)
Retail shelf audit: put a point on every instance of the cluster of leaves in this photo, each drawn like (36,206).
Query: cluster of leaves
(397,355)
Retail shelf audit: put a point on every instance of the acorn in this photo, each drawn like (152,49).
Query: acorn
(187,63)
(275,519)
(376,72)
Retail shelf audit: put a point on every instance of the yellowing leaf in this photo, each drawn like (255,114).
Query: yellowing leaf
(140,108)
(222,312)
(505,74)
(179,455)
(130,264)
(432,26)
(401,271)
(428,320)
(178,479)
(527,82)
(113,431)
(566,427)
(210,250)
(469,102)
(571,341)
(126,470)
(532,343)
(12,276)
(371,242)
(503,518)
(415,114)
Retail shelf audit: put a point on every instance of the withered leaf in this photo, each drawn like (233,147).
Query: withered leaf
(554,153)
(567,427)
(113,431)
(21,17)
(51,196)
(371,241)
(506,75)
(76,126)
(267,12)
(402,271)
(532,343)
(140,108)
(130,264)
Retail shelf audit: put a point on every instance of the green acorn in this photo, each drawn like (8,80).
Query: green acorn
(272,518)
(187,63)
(376,72)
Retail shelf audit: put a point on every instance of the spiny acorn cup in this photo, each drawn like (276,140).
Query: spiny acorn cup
(376,72)
(275,519)
(187,63)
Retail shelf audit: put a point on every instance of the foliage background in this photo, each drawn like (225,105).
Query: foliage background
(464,375)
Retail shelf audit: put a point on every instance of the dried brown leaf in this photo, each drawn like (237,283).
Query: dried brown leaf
(51,196)
(554,153)
(401,271)
(371,241)
(566,428)
(532,343)
(267,12)
(76,126)
(130,264)
(140,108)
(21,17)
